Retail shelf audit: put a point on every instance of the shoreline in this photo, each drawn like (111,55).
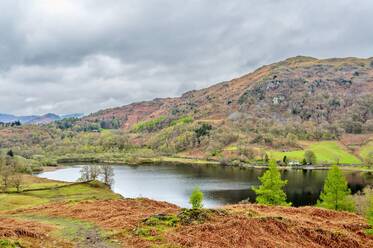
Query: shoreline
(193,161)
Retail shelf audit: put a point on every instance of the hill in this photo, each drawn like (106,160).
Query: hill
(299,89)
(283,107)
(36,119)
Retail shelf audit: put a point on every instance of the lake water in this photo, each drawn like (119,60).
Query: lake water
(220,185)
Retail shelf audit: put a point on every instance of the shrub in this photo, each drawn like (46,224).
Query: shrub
(196,198)
(203,130)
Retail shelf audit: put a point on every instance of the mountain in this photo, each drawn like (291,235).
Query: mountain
(337,91)
(36,119)
(75,115)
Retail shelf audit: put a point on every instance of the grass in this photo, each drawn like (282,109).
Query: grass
(153,227)
(16,201)
(7,243)
(231,148)
(66,228)
(75,192)
(327,152)
(366,149)
(72,230)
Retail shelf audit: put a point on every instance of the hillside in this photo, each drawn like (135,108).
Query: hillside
(56,214)
(299,89)
(147,223)
(278,111)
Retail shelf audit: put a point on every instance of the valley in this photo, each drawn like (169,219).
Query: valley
(301,119)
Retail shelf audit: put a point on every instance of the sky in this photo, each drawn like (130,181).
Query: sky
(69,56)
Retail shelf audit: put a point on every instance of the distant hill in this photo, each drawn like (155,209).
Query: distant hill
(36,119)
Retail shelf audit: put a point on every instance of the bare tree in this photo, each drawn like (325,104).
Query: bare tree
(89,173)
(7,170)
(107,174)
(17,181)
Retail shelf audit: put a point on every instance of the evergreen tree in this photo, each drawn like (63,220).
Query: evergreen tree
(335,194)
(196,198)
(271,191)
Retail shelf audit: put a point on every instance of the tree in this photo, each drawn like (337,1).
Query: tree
(310,157)
(203,130)
(10,153)
(89,173)
(196,198)
(266,158)
(7,170)
(369,159)
(285,160)
(17,181)
(335,194)
(271,192)
(107,174)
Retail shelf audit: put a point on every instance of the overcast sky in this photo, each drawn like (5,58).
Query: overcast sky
(81,56)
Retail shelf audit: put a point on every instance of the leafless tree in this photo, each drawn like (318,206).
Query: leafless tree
(107,174)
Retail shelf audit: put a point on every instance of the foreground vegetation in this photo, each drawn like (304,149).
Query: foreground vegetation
(49,213)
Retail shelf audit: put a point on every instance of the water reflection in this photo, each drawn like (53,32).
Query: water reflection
(221,185)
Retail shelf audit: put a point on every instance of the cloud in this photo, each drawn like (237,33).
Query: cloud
(69,56)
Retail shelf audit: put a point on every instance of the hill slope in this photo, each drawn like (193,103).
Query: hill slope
(299,89)
(148,223)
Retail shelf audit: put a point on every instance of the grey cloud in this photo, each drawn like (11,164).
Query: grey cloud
(80,56)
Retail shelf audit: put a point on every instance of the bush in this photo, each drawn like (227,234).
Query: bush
(196,198)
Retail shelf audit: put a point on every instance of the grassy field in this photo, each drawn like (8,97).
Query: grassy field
(66,232)
(366,149)
(327,152)
(53,192)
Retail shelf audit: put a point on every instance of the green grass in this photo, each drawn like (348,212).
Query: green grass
(366,149)
(77,192)
(7,243)
(15,201)
(67,228)
(231,148)
(326,152)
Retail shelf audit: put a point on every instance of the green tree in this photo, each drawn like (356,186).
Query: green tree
(369,159)
(335,194)
(271,192)
(196,198)
(310,157)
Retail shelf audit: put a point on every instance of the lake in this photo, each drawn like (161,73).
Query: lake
(220,185)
